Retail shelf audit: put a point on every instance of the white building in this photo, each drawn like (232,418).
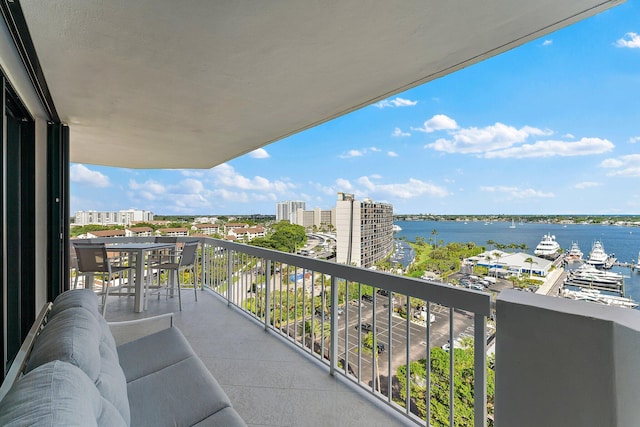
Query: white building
(317,217)
(123,217)
(285,211)
(364,230)
(512,264)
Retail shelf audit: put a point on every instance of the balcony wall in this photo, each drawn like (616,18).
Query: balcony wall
(566,363)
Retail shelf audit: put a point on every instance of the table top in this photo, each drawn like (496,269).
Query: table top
(139,246)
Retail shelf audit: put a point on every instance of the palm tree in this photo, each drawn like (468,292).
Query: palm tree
(434,233)
(531,262)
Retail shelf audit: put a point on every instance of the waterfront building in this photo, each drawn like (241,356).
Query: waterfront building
(285,211)
(505,264)
(364,230)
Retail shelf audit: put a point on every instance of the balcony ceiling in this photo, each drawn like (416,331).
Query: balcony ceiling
(174,84)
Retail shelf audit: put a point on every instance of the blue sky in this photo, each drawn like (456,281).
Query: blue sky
(552,127)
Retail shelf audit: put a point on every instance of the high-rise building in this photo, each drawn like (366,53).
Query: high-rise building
(285,211)
(364,230)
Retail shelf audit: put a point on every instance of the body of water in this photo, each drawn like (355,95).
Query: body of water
(624,242)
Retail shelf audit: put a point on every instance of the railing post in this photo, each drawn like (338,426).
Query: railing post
(229,274)
(203,259)
(480,371)
(267,296)
(333,359)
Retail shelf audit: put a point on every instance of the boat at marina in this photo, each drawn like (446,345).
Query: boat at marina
(548,247)
(574,254)
(513,224)
(597,257)
(594,295)
(396,228)
(588,275)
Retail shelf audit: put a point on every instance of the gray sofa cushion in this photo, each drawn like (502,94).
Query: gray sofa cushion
(157,350)
(84,298)
(57,394)
(74,336)
(70,336)
(181,394)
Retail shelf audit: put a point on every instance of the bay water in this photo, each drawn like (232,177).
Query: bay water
(622,241)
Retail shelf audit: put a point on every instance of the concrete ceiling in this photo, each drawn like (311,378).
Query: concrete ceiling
(192,84)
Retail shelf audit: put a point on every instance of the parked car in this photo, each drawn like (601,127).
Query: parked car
(383,292)
(366,327)
(366,297)
(380,347)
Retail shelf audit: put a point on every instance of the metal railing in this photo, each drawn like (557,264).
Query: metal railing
(370,327)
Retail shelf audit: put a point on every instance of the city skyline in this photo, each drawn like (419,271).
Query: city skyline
(551,127)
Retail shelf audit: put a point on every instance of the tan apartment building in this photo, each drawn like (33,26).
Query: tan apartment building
(364,230)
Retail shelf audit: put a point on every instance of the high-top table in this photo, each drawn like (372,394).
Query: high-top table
(138,251)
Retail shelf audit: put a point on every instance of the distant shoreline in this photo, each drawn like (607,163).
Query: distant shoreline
(617,220)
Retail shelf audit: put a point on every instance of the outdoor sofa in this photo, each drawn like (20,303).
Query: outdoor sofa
(75,369)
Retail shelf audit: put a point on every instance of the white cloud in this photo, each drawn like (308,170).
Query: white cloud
(392,154)
(398,102)
(547,42)
(628,165)
(359,153)
(516,192)
(551,148)
(634,139)
(630,40)
(225,175)
(407,190)
(259,153)
(182,196)
(343,183)
(397,132)
(569,136)
(83,175)
(352,153)
(480,140)
(438,122)
(586,184)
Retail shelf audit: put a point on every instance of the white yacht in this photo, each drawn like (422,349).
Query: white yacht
(574,254)
(396,228)
(593,295)
(548,247)
(588,274)
(597,257)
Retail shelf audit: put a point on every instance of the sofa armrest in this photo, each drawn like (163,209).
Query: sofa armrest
(130,330)
(19,362)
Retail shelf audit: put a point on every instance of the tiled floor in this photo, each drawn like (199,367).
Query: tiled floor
(269,382)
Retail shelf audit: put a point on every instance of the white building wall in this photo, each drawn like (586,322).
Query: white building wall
(364,231)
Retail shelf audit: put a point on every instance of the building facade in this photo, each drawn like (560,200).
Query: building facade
(364,231)
(123,217)
(317,217)
(285,211)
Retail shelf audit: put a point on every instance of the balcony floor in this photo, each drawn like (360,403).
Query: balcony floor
(269,382)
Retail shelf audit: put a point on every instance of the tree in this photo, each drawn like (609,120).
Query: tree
(285,237)
(531,262)
(439,399)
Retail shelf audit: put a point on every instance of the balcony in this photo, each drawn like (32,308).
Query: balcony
(309,360)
